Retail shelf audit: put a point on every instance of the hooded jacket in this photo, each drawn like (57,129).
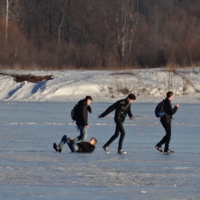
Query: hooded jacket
(82,116)
(169,111)
(121,107)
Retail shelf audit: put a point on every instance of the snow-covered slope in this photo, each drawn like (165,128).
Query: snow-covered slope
(149,85)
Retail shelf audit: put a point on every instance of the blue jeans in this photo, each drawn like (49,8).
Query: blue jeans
(83,134)
(71,143)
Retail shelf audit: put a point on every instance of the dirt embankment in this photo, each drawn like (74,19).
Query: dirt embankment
(29,77)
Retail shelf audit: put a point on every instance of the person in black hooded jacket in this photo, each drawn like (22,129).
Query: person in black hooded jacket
(82,118)
(166,122)
(81,147)
(122,108)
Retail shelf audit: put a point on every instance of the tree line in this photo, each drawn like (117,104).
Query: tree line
(99,34)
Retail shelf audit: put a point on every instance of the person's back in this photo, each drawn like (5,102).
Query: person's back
(85,147)
(82,113)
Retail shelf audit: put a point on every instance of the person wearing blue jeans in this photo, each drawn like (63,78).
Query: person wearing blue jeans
(81,147)
(82,118)
(83,133)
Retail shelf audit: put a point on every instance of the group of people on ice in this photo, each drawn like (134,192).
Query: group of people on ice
(122,108)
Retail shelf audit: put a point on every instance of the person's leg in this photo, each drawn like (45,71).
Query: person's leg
(122,136)
(113,137)
(83,134)
(166,139)
(72,145)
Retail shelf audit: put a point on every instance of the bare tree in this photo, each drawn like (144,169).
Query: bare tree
(126,18)
(60,24)
(68,22)
(11,13)
(87,23)
(7,18)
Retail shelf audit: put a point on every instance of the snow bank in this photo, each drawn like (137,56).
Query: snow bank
(149,85)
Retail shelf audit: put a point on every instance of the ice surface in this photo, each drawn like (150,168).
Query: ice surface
(30,169)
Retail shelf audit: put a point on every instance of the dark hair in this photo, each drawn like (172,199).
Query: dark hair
(131,96)
(88,97)
(94,140)
(169,94)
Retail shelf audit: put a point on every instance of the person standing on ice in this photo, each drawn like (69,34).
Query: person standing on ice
(83,107)
(121,107)
(166,122)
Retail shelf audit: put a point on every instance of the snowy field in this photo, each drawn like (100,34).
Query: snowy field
(148,85)
(30,169)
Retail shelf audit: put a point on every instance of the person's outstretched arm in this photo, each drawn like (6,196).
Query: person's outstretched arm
(109,110)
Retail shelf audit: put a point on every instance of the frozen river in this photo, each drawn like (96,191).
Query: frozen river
(30,169)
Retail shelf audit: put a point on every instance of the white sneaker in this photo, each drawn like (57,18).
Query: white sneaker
(168,152)
(158,148)
(105,149)
(121,151)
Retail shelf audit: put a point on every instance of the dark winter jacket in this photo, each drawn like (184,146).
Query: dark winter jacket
(82,116)
(169,111)
(85,147)
(121,107)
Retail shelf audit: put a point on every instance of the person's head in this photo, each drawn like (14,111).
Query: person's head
(131,98)
(170,95)
(88,100)
(93,141)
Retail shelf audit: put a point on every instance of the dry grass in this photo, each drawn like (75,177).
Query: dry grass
(123,73)
(29,78)
(186,82)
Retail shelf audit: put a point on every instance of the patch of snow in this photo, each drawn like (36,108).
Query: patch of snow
(148,85)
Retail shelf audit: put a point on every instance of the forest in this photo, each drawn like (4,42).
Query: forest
(99,34)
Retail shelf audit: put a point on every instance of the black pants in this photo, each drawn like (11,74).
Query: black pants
(119,129)
(166,139)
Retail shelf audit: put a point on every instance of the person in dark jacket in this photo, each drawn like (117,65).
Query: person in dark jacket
(82,118)
(81,147)
(121,107)
(166,122)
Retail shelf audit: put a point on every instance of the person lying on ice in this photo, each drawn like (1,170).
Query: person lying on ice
(81,147)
